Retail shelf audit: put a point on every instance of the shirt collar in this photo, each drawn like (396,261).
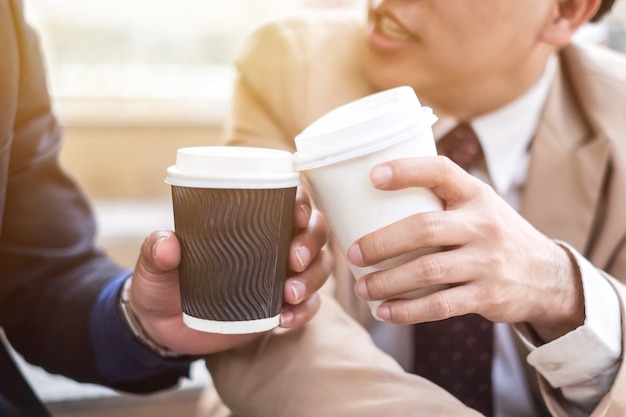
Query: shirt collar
(505,133)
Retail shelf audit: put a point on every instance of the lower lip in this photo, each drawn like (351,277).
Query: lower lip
(378,40)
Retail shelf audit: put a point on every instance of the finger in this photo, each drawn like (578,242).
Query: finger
(302,286)
(449,181)
(307,244)
(421,231)
(294,316)
(424,272)
(160,252)
(439,305)
(302,209)
(444,268)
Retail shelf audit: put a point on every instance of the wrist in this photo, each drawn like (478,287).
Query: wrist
(134,325)
(567,305)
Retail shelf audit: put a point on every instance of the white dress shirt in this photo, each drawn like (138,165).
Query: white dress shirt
(582,363)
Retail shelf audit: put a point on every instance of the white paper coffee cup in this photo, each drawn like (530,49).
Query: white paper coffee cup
(336,153)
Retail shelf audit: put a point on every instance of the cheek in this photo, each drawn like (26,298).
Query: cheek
(445,61)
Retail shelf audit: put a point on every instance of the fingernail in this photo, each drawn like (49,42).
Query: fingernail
(383,312)
(302,255)
(297,290)
(381,175)
(157,245)
(286,318)
(360,289)
(306,209)
(354,254)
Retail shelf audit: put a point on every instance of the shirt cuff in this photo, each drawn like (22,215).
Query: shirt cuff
(593,348)
(119,356)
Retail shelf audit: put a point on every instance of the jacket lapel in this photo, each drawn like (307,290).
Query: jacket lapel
(568,166)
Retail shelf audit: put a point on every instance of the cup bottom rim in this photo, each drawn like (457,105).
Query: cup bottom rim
(231,327)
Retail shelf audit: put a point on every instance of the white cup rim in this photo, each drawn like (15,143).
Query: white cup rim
(232,167)
(361,127)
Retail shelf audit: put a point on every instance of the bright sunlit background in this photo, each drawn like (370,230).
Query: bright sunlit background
(137,61)
(104,57)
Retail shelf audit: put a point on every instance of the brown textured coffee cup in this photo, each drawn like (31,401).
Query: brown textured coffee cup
(233,216)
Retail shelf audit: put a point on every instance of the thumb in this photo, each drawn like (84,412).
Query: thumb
(160,253)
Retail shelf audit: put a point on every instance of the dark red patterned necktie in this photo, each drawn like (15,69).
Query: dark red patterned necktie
(456,353)
(461,145)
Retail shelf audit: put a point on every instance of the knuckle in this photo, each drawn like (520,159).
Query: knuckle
(379,246)
(385,286)
(372,248)
(378,286)
(446,167)
(430,228)
(401,313)
(441,306)
(404,315)
(409,169)
(495,230)
(431,270)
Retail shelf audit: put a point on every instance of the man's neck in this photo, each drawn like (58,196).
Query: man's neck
(465,103)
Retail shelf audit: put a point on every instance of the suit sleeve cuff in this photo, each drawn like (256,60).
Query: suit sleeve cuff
(119,356)
(594,348)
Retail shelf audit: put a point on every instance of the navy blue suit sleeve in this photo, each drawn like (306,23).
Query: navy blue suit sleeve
(117,353)
(51,273)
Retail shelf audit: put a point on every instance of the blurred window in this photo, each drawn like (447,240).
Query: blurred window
(131,59)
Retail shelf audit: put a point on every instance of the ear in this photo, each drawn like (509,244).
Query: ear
(567,17)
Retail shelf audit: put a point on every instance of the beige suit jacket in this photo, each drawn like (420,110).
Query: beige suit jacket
(294,70)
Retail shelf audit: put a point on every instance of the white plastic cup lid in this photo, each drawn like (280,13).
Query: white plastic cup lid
(361,127)
(232,167)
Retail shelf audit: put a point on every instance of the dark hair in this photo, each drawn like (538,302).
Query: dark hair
(604,8)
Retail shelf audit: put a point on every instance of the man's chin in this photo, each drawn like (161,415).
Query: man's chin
(382,74)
